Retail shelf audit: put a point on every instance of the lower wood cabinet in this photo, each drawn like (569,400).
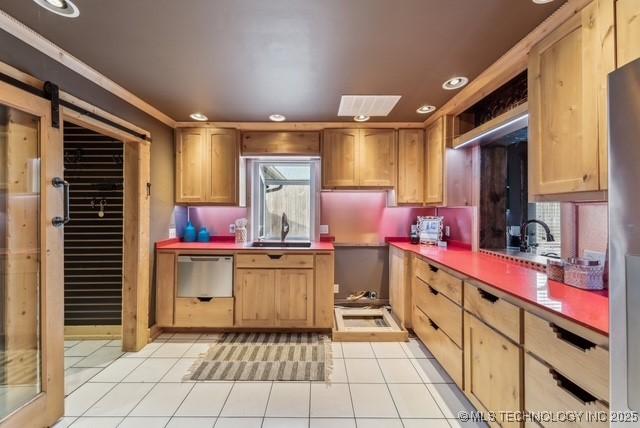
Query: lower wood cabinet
(194,312)
(294,297)
(547,390)
(492,370)
(448,354)
(274,297)
(255,291)
(271,290)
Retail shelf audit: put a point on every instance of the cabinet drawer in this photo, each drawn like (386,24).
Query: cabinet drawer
(493,310)
(448,354)
(274,260)
(442,311)
(582,361)
(546,390)
(192,312)
(442,281)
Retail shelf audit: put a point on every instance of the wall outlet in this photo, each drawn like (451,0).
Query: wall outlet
(447,231)
(336,288)
(172,232)
(324,229)
(232,228)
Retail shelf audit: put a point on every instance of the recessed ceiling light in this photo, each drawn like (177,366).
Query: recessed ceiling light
(361,118)
(199,116)
(277,118)
(541,1)
(455,83)
(425,109)
(64,8)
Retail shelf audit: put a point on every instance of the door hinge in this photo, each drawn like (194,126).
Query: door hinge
(52,93)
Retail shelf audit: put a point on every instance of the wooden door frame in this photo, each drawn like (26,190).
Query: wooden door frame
(48,406)
(136,252)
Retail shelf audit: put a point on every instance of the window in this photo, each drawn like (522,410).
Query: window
(284,188)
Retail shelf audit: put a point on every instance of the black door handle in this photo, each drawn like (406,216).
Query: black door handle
(61,221)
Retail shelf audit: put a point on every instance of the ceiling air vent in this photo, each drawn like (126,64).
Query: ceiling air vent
(367,105)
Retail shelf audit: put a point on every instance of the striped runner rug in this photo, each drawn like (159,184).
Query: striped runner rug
(265,357)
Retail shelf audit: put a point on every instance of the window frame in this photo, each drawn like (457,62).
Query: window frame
(256,194)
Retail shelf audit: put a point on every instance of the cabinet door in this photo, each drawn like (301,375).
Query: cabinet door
(627,31)
(410,166)
(434,153)
(255,297)
(294,297)
(222,168)
(377,158)
(339,158)
(492,369)
(567,103)
(191,151)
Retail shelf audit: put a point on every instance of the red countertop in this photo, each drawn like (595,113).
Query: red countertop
(230,245)
(587,308)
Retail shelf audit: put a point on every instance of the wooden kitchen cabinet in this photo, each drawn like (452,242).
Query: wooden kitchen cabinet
(353,158)
(627,31)
(165,288)
(434,162)
(207,166)
(377,158)
(274,297)
(400,285)
(294,297)
(191,149)
(411,172)
(568,103)
(492,369)
(340,158)
(255,291)
(447,178)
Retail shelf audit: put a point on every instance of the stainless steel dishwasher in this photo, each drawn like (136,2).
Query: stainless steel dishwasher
(205,277)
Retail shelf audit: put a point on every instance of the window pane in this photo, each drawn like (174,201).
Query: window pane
(285,188)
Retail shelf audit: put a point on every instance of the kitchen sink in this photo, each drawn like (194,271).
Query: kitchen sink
(279,244)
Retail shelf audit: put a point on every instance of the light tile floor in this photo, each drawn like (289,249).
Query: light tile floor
(373,385)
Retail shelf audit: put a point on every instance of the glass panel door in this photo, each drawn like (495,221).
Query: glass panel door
(20,345)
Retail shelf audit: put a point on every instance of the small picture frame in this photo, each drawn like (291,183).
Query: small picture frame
(430,229)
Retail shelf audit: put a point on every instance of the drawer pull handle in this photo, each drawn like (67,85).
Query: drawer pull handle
(433,290)
(433,268)
(433,325)
(275,256)
(572,389)
(487,296)
(572,338)
(205,299)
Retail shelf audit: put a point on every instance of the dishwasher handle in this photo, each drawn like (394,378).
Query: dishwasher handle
(189,259)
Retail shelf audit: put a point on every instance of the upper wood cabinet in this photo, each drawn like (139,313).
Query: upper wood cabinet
(207,166)
(264,143)
(190,151)
(568,105)
(627,31)
(411,159)
(340,158)
(377,158)
(359,158)
(434,151)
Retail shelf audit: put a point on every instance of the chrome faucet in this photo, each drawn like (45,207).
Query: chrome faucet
(284,230)
(524,239)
